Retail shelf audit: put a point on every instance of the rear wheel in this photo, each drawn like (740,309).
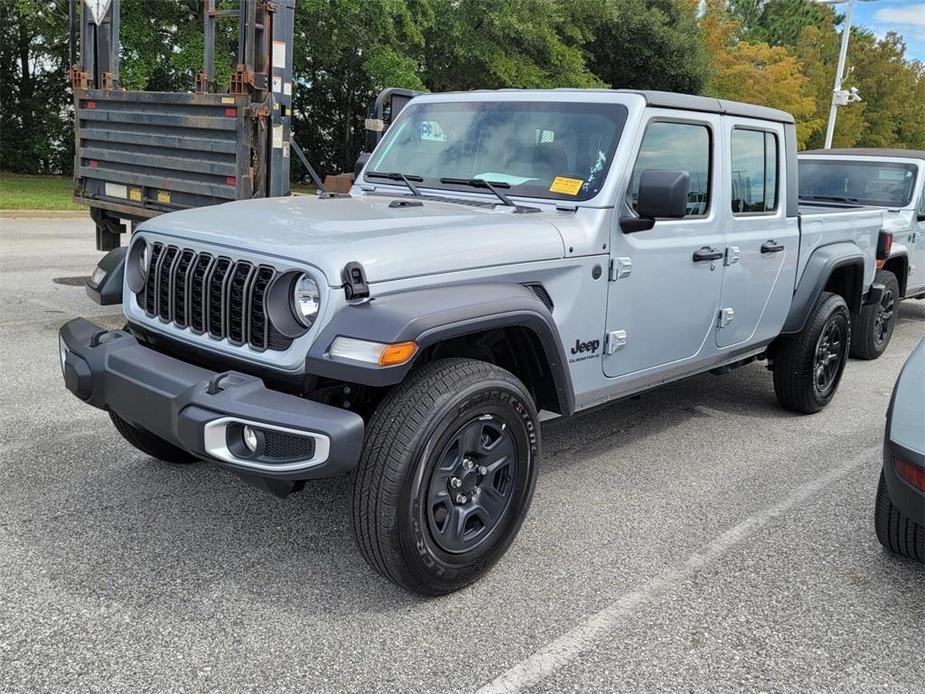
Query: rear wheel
(148,443)
(895,530)
(808,366)
(872,328)
(447,475)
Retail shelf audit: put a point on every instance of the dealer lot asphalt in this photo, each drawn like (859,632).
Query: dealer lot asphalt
(697,539)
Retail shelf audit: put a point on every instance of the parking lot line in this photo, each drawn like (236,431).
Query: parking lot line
(594,628)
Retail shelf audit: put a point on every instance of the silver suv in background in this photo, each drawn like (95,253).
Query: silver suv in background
(894,180)
(502,255)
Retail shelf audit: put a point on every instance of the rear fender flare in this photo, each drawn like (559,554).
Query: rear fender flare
(819,269)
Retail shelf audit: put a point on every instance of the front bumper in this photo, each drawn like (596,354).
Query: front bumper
(204,411)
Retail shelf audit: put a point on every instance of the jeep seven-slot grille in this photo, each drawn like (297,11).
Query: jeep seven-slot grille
(211,295)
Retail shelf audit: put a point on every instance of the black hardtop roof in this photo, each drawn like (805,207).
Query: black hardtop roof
(707,104)
(871,152)
(685,102)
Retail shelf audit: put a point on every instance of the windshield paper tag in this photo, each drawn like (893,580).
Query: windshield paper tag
(566,186)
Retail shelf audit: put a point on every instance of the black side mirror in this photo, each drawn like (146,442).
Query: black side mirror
(662,195)
(361,162)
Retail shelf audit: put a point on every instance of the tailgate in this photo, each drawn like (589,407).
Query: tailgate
(145,153)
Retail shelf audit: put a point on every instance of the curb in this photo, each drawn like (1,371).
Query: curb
(44,214)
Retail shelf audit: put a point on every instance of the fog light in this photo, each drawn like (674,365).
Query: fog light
(62,353)
(249,436)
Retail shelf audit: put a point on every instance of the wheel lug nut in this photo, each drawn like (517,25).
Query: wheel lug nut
(476,491)
(456,482)
(483,470)
(467,464)
(461,499)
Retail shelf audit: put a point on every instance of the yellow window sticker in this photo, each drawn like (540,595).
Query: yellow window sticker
(566,186)
(163,196)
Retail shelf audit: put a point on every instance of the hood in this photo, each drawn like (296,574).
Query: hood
(390,242)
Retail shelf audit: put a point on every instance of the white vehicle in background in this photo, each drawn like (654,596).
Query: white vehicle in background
(892,179)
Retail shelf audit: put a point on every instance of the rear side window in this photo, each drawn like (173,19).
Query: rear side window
(754,171)
(676,147)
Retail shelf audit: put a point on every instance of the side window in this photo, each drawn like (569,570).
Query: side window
(676,147)
(754,171)
(922,194)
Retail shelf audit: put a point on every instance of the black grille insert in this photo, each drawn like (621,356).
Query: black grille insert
(211,295)
(281,446)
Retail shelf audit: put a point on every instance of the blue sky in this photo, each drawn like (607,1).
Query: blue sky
(905,17)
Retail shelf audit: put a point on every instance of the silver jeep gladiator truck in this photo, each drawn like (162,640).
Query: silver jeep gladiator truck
(894,180)
(503,257)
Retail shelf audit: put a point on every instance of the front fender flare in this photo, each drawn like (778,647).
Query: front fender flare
(429,316)
(108,290)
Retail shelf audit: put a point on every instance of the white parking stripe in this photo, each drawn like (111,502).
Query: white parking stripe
(596,627)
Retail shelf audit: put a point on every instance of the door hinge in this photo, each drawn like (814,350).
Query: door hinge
(620,268)
(726,316)
(614,340)
(732,255)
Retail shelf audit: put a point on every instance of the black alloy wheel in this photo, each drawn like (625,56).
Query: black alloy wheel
(883,322)
(831,349)
(471,483)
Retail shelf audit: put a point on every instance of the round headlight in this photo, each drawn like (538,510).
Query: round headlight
(306,300)
(144,256)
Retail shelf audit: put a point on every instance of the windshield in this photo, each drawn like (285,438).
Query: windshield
(877,183)
(556,150)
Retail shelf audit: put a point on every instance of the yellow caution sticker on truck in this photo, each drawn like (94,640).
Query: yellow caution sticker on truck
(134,194)
(163,196)
(227,99)
(566,186)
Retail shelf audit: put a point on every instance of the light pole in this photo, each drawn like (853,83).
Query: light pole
(840,97)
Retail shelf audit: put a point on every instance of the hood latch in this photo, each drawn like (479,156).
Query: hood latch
(355,285)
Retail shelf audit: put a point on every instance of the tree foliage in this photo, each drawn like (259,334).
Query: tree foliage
(780,53)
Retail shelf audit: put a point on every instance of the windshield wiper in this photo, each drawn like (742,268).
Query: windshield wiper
(493,187)
(398,176)
(833,198)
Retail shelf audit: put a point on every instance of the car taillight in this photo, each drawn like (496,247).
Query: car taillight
(884,245)
(913,474)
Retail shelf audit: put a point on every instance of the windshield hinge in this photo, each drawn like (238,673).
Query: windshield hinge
(355,286)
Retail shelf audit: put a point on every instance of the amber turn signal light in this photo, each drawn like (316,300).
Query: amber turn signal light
(399,353)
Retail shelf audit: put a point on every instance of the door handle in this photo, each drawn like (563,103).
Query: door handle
(771,247)
(707,253)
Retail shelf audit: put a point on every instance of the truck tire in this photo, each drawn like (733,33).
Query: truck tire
(872,328)
(808,366)
(447,475)
(148,443)
(895,530)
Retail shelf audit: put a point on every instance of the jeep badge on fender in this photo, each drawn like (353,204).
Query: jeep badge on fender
(408,334)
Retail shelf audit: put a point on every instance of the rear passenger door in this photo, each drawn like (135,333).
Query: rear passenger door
(761,242)
(665,286)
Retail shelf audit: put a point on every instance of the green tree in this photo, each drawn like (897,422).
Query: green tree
(646,44)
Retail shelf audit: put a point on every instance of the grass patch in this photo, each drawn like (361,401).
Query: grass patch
(22,192)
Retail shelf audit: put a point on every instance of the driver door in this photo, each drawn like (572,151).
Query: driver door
(662,303)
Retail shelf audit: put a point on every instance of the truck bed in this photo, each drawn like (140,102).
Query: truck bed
(822,225)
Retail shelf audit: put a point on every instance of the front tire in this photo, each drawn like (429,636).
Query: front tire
(808,366)
(447,475)
(895,530)
(872,328)
(148,443)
